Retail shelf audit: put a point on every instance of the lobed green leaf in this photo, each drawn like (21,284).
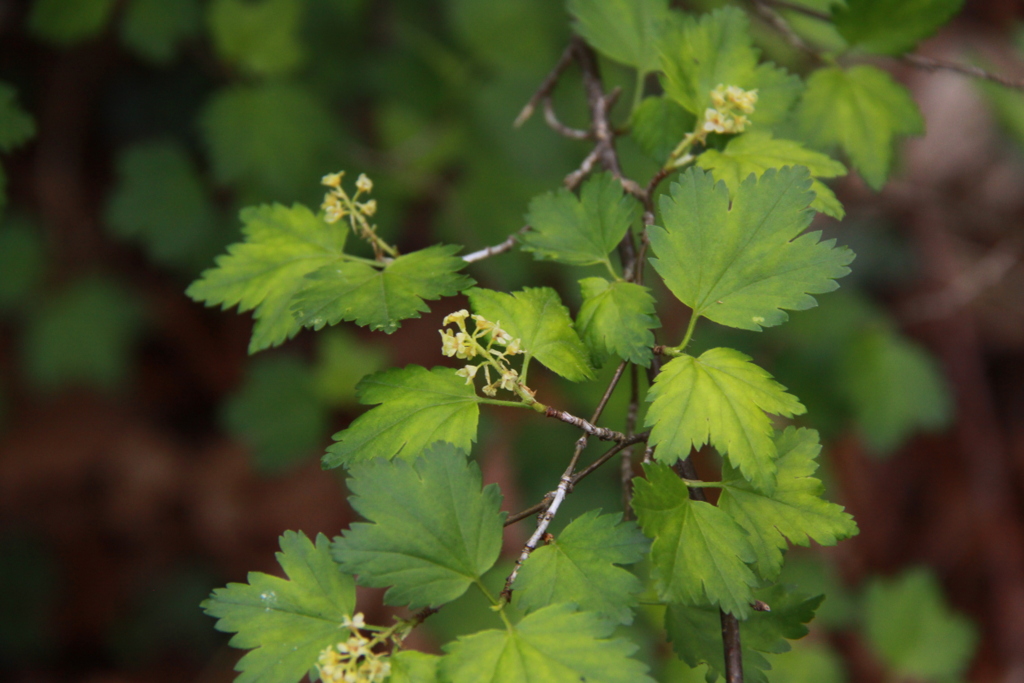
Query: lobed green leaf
(616,318)
(695,632)
(580,566)
(741,265)
(432,531)
(861,109)
(537,316)
(286,623)
(261,36)
(795,509)
(580,232)
(379,298)
(891,27)
(757,151)
(625,30)
(555,644)
(720,398)
(700,554)
(268,269)
(417,407)
(658,125)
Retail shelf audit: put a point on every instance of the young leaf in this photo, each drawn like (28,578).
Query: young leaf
(262,37)
(625,30)
(795,510)
(699,555)
(580,232)
(861,109)
(417,407)
(699,54)
(617,318)
(432,531)
(892,27)
(154,28)
(380,297)
(913,630)
(741,265)
(721,398)
(894,387)
(16,126)
(536,315)
(410,666)
(286,622)
(265,271)
(161,202)
(695,632)
(757,151)
(555,644)
(580,567)
(659,125)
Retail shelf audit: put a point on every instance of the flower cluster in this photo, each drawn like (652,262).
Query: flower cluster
(732,104)
(488,342)
(354,660)
(338,204)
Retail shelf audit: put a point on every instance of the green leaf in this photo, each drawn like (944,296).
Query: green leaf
(894,387)
(740,265)
(410,666)
(417,407)
(659,125)
(83,336)
(380,297)
(580,232)
(161,202)
(580,566)
(22,264)
(700,554)
(16,125)
(153,29)
(555,644)
(277,413)
(862,110)
(286,622)
(795,510)
(66,22)
(274,139)
(625,30)
(432,531)
(261,36)
(915,633)
(536,315)
(699,54)
(757,151)
(695,632)
(892,27)
(808,663)
(268,269)
(617,318)
(720,398)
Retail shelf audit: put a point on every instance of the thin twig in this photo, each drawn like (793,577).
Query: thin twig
(609,454)
(546,86)
(626,465)
(779,23)
(487,252)
(551,118)
(936,64)
(532,510)
(590,428)
(564,484)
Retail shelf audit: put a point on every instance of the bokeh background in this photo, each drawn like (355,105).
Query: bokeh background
(146,459)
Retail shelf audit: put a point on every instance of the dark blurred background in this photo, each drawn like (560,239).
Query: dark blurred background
(146,459)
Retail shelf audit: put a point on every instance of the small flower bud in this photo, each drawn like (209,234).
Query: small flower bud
(368,208)
(333,179)
(363,183)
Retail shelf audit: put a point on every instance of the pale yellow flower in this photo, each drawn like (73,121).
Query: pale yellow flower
(363,183)
(333,179)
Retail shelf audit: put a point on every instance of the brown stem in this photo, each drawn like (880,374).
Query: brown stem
(487,252)
(546,86)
